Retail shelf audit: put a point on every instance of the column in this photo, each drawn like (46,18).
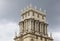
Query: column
(40,28)
(29,24)
(21,27)
(24,26)
(32,25)
(35,27)
(44,29)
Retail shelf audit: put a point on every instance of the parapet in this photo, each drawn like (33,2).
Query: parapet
(33,9)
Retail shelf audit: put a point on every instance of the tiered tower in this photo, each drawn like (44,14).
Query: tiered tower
(33,25)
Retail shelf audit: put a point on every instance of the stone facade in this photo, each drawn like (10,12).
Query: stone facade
(33,26)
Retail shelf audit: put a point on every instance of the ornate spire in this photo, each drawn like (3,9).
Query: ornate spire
(50,35)
(24,9)
(35,7)
(15,34)
(30,5)
(40,9)
(44,11)
(21,10)
(27,7)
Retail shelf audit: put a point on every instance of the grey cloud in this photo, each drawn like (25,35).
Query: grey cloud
(10,11)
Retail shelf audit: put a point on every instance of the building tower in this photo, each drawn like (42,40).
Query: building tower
(33,25)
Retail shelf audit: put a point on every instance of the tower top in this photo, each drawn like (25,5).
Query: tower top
(33,25)
(33,9)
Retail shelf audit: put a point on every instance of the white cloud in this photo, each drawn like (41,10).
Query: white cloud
(7,30)
(56,36)
(55,30)
(2,3)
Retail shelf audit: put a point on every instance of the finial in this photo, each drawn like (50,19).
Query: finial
(35,7)
(24,9)
(15,34)
(21,10)
(50,35)
(30,6)
(44,11)
(40,9)
(27,7)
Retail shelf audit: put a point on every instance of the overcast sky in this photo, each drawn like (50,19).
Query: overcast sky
(10,16)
